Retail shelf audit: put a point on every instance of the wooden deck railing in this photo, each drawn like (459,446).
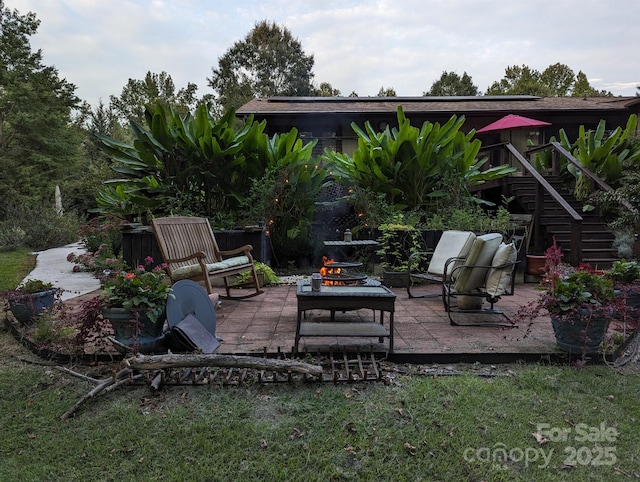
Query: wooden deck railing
(555,167)
(542,187)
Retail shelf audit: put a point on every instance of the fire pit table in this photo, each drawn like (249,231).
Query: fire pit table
(345,298)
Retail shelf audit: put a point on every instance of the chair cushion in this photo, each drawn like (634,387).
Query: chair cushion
(452,244)
(499,279)
(187,272)
(481,254)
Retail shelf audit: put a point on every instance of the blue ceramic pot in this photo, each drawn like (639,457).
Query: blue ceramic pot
(582,334)
(138,333)
(28,307)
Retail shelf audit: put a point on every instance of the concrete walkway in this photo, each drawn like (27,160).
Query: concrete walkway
(52,267)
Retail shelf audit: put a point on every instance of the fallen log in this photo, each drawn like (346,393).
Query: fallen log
(150,362)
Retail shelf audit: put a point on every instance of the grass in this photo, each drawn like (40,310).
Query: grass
(413,427)
(14,266)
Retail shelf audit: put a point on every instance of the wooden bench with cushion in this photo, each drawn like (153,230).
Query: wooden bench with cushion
(190,250)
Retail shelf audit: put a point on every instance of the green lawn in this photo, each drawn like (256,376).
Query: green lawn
(412,428)
(14,266)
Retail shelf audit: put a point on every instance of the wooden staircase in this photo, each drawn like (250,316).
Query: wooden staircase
(596,239)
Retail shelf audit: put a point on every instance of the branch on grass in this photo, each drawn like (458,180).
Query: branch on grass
(149,362)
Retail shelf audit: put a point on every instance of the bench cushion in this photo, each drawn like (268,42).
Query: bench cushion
(187,272)
(481,254)
(499,279)
(452,244)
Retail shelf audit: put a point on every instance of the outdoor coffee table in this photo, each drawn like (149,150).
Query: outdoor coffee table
(344,298)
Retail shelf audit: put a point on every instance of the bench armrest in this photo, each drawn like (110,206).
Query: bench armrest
(246,250)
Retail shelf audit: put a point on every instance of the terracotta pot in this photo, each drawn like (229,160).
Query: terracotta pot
(535,264)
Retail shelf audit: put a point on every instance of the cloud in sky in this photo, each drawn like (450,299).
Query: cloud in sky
(358,45)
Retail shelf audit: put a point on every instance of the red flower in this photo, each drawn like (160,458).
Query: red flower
(129,276)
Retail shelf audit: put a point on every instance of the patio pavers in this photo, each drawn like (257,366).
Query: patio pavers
(267,323)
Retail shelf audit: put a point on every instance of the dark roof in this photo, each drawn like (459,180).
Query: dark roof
(452,105)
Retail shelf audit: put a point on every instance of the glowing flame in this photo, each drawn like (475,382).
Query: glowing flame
(326,267)
(327,270)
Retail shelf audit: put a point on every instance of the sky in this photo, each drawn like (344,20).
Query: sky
(358,45)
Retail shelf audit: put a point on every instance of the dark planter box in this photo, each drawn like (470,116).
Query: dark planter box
(395,279)
(234,238)
(138,242)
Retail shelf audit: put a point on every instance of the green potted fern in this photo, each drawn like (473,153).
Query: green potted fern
(398,239)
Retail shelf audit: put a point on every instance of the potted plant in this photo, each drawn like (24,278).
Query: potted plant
(135,303)
(30,299)
(266,275)
(626,279)
(398,239)
(580,302)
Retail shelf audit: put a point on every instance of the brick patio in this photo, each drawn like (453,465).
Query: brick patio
(267,323)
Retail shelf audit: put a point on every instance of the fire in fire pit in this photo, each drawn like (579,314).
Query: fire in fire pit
(335,273)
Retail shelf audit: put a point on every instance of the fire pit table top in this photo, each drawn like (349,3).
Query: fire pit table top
(374,289)
(342,265)
(343,298)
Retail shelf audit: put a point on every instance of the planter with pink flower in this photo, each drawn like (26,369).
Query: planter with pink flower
(135,304)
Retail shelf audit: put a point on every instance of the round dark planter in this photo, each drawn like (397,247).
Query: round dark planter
(633,299)
(26,308)
(139,334)
(582,334)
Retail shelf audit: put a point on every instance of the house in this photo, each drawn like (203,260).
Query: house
(329,119)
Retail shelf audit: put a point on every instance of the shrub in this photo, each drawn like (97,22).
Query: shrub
(11,237)
(102,232)
(43,228)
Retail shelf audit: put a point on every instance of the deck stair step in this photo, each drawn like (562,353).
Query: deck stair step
(596,241)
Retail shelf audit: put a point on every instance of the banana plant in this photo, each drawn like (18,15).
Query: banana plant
(286,196)
(602,153)
(191,164)
(414,168)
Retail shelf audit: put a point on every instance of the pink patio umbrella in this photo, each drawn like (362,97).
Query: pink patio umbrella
(512,121)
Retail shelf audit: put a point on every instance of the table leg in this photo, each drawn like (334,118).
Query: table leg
(297,339)
(391,332)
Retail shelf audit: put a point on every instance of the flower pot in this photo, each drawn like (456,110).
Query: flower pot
(469,302)
(584,333)
(26,308)
(139,334)
(536,264)
(395,279)
(633,299)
